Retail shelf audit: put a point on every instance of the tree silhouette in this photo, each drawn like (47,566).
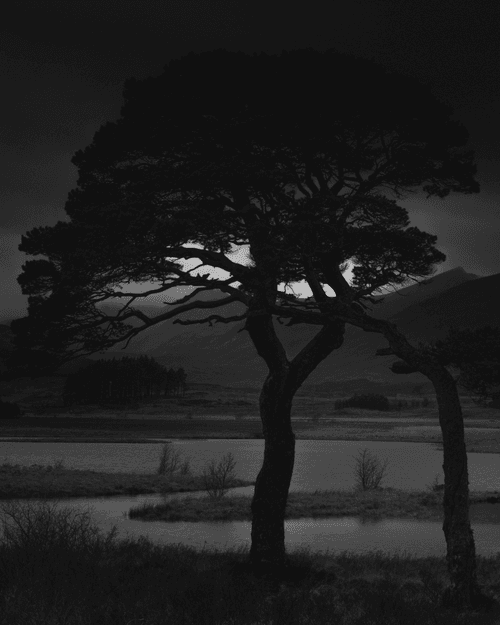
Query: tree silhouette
(300,156)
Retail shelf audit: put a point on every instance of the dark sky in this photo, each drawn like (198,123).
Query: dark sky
(63,63)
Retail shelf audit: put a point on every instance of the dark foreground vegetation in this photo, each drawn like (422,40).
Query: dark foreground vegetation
(56,567)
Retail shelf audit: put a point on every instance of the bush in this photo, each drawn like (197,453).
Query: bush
(371,402)
(368,471)
(218,478)
(9,410)
(45,531)
(171,462)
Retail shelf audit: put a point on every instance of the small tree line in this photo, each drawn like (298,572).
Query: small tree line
(123,380)
(379,402)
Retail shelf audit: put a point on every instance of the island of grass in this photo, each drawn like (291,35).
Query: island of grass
(50,482)
(371,504)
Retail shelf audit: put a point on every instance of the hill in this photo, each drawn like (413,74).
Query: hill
(224,355)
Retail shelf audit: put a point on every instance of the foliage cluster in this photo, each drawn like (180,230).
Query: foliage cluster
(371,402)
(380,402)
(219,166)
(123,380)
(9,410)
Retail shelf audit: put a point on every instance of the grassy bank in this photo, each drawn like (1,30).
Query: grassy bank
(57,481)
(376,504)
(57,567)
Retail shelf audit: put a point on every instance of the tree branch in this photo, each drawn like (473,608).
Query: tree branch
(329,338)
(216,318)
(310,182)
(214,259)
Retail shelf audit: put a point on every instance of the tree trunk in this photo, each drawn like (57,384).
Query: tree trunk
(273,481)
(267,552)
(463,591)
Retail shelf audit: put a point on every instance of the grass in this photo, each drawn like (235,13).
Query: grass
(57,567)
(37,481)
(375,504)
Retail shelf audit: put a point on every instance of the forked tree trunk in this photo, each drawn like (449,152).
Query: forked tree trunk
(267,552)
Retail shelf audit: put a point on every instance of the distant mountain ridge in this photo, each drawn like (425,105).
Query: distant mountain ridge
(394,303)
(224,355)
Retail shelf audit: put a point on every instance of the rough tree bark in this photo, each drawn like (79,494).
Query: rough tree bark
(267,551)
(463,592)
(461,552)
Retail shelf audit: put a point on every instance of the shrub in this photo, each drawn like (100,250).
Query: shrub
(371,402)
(44,530)
(218,478)
(9,410)
(171,461)
(368,470)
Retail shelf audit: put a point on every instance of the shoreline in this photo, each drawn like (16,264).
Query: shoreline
(482,433)
(56,483)
(489,445)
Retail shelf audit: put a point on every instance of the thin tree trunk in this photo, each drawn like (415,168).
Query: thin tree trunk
(463,591)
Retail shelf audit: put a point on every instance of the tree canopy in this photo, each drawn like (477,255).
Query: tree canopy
(300,156)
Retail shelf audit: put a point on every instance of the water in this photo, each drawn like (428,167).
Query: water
(392,536)
(322,464)
(319,465)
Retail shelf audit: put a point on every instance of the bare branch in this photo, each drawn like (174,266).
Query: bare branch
(133,296)
(319,295)
(216,318)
